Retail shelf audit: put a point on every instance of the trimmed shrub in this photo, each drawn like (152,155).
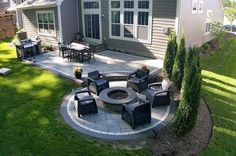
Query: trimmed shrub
(170,55)
(191,90)
(178,68)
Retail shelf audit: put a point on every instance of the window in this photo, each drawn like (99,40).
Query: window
(128,24)
(208,21)
(46,23)
(194,6)
(128,4)
(200,6)
(91,5)
(131,20)
(115,22)
(143,4)
(115,4)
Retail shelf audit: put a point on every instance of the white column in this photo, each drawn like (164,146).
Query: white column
(59,21)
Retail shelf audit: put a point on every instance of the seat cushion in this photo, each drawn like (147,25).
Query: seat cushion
(134,80)
(162,94)
(86,102)
(150,92)
(101,82)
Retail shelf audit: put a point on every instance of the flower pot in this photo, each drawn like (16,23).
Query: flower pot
(78,75)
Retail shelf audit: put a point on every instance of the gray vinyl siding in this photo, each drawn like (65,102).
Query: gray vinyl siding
(164,14)
(194,25)
(69,20)
(30,25)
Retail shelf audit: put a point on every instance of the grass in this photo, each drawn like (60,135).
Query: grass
(30,122)
(219,90)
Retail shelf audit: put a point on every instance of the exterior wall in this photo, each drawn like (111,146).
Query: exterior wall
(164,14)
(194,25)
(30,25)
(69,20)
(4,6)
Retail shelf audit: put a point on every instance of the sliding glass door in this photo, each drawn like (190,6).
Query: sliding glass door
(91,20)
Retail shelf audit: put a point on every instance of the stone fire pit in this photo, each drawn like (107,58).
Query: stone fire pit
(113,98)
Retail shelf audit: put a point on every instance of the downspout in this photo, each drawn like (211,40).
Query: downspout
(59,20)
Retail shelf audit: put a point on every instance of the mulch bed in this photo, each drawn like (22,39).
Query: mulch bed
(166,143)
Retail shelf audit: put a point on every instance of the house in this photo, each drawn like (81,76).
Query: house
(4,4)
(140,27)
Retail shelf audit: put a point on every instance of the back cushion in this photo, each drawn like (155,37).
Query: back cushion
(140,73)
(94,75)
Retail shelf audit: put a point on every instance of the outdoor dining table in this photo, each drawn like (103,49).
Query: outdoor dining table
(78,49)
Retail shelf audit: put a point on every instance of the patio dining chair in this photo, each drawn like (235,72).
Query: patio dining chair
(88,54)
(85,103)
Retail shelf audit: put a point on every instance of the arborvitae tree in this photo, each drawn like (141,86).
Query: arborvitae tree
(178,68)
(170,54)
(191,89)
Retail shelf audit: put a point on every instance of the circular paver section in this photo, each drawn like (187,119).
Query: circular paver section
(107,124)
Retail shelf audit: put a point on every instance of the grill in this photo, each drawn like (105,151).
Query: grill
(28,48)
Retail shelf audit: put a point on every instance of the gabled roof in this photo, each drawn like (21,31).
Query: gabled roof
(37,4)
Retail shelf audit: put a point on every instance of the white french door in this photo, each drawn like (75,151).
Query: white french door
(91,12)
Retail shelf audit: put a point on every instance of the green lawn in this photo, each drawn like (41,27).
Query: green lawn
(219,90)
(30,122)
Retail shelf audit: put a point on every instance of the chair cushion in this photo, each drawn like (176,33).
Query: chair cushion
(156,87)
(140,73)
(94,75)
(86,102)
(101,82)
(162,94)
(134,80)
(82,95)
(151,92)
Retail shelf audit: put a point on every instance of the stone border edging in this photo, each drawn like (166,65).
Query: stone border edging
(212,125)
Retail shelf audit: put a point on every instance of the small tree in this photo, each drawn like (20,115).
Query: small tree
(188,108)
(170,54)
(178,68)
(217,29)
(230,12)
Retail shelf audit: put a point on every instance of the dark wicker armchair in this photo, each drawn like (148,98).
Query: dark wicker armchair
(86,103)
(137,114)
(159,94)
(97,82)
(138,80)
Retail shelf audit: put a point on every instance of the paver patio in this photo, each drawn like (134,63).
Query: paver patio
(106,61)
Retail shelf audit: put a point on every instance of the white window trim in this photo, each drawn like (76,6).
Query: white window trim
(200,2)
(208,20)
(135,25)
(194,11)
(89,12)
(54,24)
